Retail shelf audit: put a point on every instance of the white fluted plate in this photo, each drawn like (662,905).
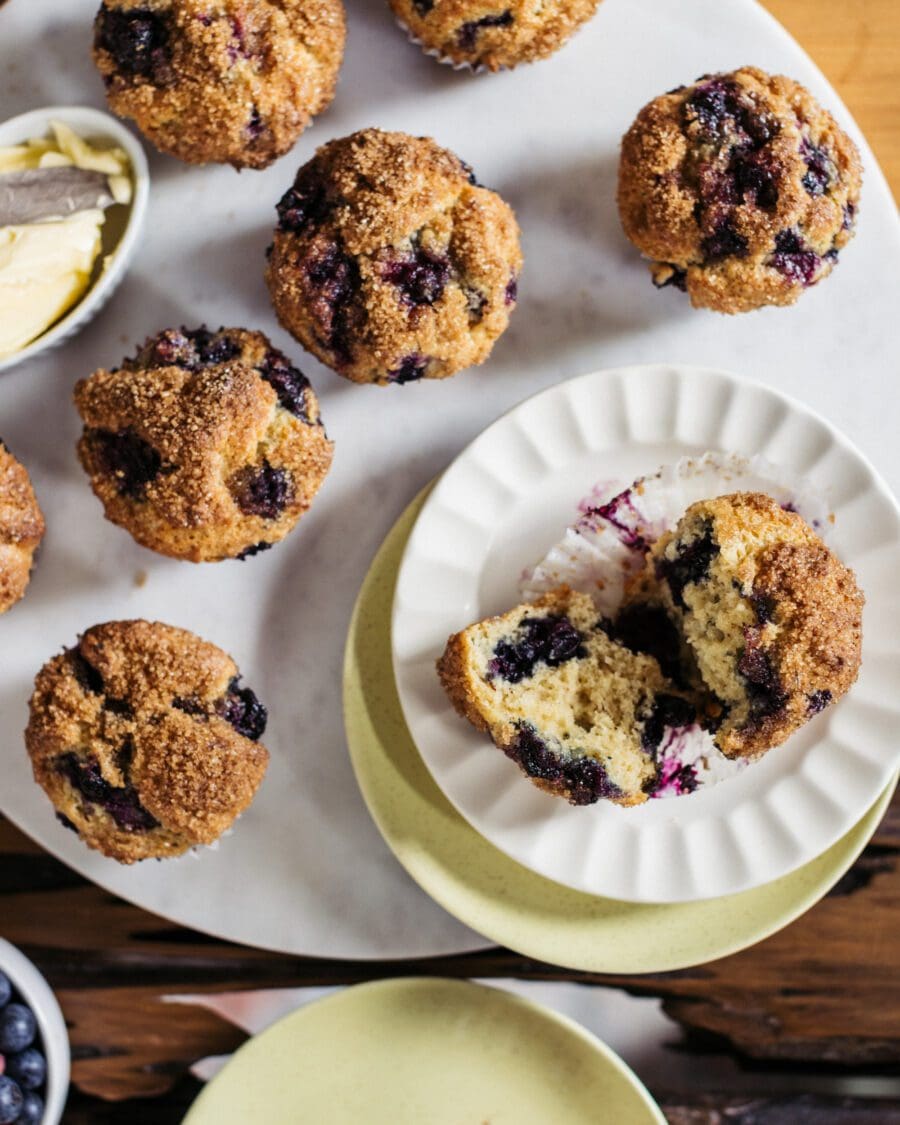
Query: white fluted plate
(508,496)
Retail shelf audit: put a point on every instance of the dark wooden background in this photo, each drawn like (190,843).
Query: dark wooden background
(821,998)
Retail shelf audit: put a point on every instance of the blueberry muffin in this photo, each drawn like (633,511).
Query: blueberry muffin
(231,82)
(390,263)
(470,32)
(21,529)
(581,715)
(144,740)
(205,445)
(773,618)
(741,189)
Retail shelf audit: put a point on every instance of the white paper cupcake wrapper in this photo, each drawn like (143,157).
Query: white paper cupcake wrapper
(608,544)
(609,541)
(434,53)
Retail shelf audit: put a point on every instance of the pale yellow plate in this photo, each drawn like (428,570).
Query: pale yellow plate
(424,1051)
(492,893)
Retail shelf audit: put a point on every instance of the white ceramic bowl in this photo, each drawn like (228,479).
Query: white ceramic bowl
(92,124)
(29,983)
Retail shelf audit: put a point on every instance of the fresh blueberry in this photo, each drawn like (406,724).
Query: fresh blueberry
(133,462)
(421,277)
(211,347)
(534,755)
(121,802)
(755,176)
(724,112)
(137,39)
(289,382)
(409,369)
(188,348)
(549,640)
(691,564)
(818,175)
(647,628)
(255,125)
(334,278)
(713,104)
(763,685)
(11,1100)
(818,701)
(190,704)
(256,549)
(763,607)
(468,170)
(243,711)
(303,204)
(587,781)
(86,674)
(262,491)
(724,242)
(28,1068)
(5,989)
(793,259)
(17,1028)
(32,1109)
(118,707)
(169,348)
(467,34)
(667,711)
(65,822)
(585,778)
(673,777)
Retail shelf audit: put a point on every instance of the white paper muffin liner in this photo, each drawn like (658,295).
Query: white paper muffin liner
(608,543)
(434,53)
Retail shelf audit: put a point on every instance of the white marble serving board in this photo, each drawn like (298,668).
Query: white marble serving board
(305,870)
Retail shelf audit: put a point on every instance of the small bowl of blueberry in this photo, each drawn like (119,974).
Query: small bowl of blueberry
(34,1045)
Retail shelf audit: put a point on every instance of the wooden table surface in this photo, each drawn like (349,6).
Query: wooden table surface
(824,994)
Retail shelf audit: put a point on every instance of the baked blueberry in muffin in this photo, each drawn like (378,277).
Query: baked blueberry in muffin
(145,740)
(205,445)
(741,190)
(232,82)
(390,263)
(773,619)
(581,715)
(502,36)
(21,529)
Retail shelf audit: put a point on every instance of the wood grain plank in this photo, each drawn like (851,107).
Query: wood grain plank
(816,993)
(857,47)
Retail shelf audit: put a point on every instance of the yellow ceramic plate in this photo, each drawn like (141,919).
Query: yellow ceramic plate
(422,1050)
(492,893)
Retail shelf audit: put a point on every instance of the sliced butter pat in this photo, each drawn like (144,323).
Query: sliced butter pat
(112,161)
(65,148)
(45,269)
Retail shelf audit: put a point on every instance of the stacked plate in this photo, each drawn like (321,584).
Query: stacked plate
(670,883)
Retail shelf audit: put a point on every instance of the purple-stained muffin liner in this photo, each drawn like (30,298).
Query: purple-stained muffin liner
(607,544)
